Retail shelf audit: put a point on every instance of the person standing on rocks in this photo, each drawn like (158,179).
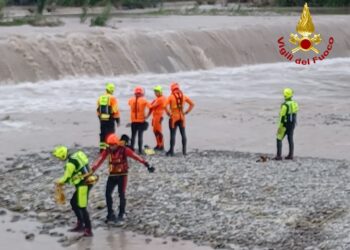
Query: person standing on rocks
(157,110)
(76,170)
(117,153)
(108,113)
(176,102)
(138,105)
(286,125)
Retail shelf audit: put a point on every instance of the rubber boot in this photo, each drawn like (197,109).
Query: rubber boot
(111,218)
(291,151)
(279,151)
(290,155)
(170,153)
(121,209)
(88,232)
(184,151)
(78,227)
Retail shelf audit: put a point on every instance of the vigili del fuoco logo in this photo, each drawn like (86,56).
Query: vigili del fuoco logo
(306,43)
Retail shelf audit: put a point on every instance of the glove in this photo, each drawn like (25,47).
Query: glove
(149,168)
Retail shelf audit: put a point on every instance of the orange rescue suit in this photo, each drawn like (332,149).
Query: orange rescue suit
(176,102)
(137,107)
(157,107)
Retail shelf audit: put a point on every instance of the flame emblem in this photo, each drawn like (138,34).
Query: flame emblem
(305,28)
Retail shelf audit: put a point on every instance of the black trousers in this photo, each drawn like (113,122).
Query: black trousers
(137,128)
(179,125)
(112,182)
(290,136)
(106,128)
(81,213)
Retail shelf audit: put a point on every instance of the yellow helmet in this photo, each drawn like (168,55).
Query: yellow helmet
(60,152)
(110,87)
(158,88)
(287,93)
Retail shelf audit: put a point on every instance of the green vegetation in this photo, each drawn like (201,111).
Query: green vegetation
(2,5)
(101,19)
(139,4)
(40,6)
(314,3)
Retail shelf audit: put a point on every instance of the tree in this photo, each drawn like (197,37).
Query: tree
(40,6)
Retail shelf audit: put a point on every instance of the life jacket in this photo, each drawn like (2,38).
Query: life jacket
(80,161)
(104,107)
(118,163)
(291,113)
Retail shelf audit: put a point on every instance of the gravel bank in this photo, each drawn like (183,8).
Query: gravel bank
(217,198)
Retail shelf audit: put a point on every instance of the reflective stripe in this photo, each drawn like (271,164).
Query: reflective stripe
(82,196)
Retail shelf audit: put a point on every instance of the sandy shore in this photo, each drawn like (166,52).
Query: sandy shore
(248,127)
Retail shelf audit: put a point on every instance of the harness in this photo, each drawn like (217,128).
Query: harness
(179,100)
(80,161)
(291,114)
(105,110)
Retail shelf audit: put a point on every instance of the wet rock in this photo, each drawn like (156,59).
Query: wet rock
(15,218)
(148,240)
(42,216)
(218,198)
(55,234)
(3,212)
(63,239)
(5,118)
(101,205)
(30,237)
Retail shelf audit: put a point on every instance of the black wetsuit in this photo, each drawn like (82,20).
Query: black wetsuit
(137,128)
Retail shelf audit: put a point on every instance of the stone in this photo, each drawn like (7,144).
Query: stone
(30,237)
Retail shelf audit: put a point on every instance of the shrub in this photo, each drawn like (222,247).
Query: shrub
(2,5)
(101,19)
(139,4)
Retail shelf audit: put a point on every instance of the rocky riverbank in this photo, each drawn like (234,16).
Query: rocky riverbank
(217,198)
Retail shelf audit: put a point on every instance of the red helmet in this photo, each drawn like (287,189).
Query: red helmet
(174,86)
(112,139)
(138,90)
